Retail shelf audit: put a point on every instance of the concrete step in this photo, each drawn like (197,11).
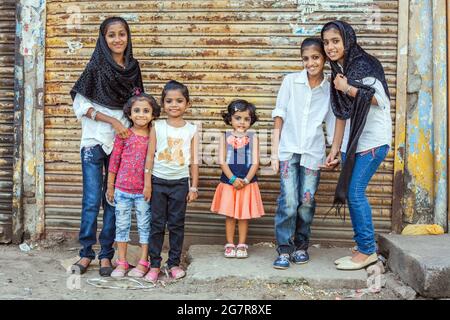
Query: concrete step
(422,262)
(207,263)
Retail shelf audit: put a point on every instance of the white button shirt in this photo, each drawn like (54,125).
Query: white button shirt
(96,132)
(303,111)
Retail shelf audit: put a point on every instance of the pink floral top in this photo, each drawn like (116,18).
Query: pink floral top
(128,162)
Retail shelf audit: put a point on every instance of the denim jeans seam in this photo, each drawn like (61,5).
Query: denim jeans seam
(366,168)
(92,171)
(290,175)
(134,198)
(304,185)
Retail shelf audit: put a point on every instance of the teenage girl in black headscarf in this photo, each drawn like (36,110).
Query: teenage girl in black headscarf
(109,79)
(360,101)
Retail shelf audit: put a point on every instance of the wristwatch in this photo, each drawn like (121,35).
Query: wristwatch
(246,181)
(147,170)
(193,189)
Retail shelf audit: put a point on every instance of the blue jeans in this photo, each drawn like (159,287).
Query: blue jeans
(124,204)
(366,164)
(93,160)
(296,205)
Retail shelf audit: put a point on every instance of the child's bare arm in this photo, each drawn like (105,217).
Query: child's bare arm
(110,186)
(331,161)
(255,159)
(194,168)
(238,184)
(113,168)
(222,158)
(278,126)
(149,160)
(118,127)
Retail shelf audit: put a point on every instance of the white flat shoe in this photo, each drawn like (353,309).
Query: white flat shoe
(353,250)
(350,265)
(340,260)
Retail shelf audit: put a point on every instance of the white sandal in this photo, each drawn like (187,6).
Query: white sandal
(241,251)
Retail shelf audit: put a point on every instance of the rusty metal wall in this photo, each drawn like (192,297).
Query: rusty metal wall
(221,50)
(7,36)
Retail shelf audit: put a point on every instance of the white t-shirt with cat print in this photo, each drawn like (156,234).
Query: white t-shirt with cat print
(173,150)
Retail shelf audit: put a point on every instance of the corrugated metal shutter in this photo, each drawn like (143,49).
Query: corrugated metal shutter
(7,36)
(222,50)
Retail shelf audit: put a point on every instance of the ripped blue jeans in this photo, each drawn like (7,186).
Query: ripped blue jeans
(296,205)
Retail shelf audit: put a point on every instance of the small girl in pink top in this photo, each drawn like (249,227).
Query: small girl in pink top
(126,182)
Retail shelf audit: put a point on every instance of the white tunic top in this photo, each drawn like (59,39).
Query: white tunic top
(173,150)
(303,111)
(378,128)
(96,132)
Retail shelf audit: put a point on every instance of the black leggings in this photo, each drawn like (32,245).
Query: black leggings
(168,207)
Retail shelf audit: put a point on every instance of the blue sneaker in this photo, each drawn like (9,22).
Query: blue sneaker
(282,262)
(300,257)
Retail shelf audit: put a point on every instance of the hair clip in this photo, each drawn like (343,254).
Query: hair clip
(136,91)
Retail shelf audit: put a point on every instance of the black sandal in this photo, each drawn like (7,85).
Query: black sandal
(105,271)
(78,268)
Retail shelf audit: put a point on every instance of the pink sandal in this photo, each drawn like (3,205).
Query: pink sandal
(152,275)
(137,273)
(230,251)
(120,272)
(177,273)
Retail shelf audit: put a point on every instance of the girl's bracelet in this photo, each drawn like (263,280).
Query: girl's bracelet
(232,179)
(348,89)
(94,114)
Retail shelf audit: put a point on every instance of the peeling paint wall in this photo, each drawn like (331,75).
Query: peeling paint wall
(29,92)
(440,114)
(426,163)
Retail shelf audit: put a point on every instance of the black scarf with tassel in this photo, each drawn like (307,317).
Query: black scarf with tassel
(105,82)
(358,65)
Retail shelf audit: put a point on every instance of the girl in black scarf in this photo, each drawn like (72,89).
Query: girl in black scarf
(109,79)
(360,94)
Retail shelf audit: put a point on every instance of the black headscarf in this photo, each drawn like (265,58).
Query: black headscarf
(358,64)
(104,81)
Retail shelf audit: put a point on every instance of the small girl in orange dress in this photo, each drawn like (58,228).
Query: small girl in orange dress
(237,196)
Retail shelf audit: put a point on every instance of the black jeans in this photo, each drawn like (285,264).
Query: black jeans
(168,208)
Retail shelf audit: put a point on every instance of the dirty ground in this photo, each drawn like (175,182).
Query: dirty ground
(35,271)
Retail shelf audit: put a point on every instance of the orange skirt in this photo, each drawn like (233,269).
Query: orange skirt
(239,204)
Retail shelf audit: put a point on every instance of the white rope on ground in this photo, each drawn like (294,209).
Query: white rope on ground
(123,283)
